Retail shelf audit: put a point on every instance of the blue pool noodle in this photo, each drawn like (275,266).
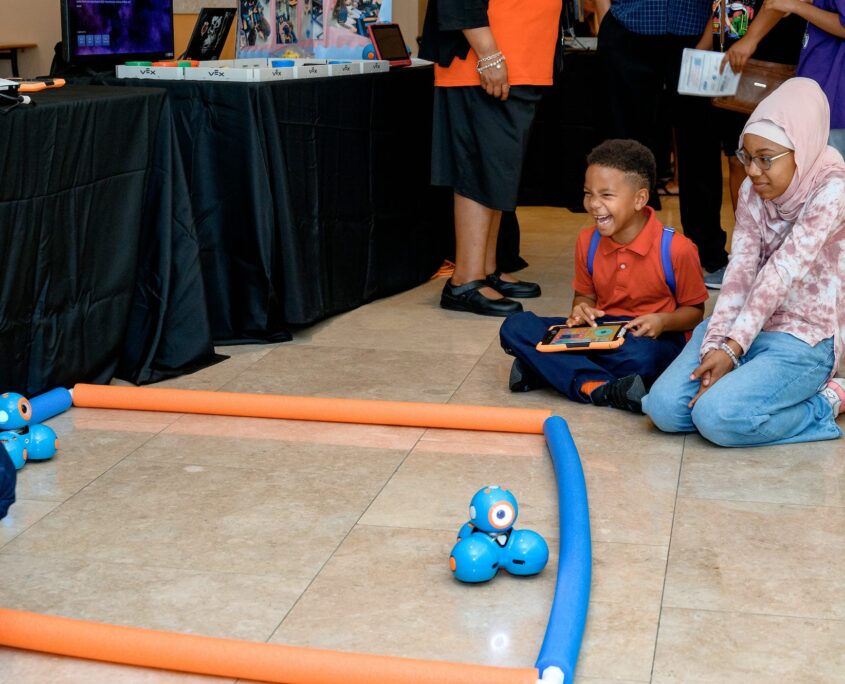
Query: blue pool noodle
(50,404)
(568,614)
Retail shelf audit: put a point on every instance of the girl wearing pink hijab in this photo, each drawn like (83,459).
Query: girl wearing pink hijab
(760,369)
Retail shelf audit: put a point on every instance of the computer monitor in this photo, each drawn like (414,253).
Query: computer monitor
(103,33)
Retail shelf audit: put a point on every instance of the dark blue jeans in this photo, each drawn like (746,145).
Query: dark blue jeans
(567,371)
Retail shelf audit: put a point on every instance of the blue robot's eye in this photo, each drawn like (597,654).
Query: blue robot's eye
(501,515)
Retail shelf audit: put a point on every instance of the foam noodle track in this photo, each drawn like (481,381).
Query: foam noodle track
(365,411)
(296,665)
(568,614)
(232,658)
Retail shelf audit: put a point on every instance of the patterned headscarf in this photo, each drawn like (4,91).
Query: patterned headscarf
(799,107)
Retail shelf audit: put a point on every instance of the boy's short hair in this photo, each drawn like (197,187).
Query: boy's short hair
(633,159)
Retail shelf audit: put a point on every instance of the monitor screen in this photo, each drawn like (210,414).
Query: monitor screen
(115,30)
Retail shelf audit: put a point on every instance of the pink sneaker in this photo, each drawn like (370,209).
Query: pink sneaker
(834,392)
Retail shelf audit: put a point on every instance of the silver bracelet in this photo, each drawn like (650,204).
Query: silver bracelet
(489,58)
(725,347)
(497,65)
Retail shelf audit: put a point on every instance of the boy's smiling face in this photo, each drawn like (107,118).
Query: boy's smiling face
(615,201)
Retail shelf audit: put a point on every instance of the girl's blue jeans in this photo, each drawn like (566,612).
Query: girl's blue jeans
(772,398)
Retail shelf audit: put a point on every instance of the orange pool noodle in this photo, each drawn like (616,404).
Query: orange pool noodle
(232,658)
(371,412)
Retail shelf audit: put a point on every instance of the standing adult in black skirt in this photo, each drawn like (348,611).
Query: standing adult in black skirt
(491,57)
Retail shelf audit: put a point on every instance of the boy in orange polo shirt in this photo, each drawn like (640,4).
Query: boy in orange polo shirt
(627,267)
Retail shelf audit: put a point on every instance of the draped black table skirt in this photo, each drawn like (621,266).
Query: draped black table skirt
(310,197)
(100,272)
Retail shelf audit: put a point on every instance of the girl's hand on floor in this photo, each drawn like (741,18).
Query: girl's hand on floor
(716,365)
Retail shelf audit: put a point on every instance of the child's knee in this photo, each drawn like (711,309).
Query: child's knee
(667,408)
(721,421)
(517,328)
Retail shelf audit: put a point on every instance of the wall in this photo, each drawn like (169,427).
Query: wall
(30,21)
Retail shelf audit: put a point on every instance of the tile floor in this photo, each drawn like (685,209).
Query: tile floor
(710,565)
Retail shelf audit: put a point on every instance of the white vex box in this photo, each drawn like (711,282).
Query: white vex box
(311,70)
(161,73)
(236,74)
(358,66)
(369,66)
(349,69)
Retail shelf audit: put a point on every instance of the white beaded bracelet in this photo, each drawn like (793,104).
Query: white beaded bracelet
(725,347)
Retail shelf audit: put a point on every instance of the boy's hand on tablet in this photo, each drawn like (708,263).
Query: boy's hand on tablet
(583,314)
(650,325)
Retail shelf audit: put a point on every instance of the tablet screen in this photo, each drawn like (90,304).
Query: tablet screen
(389,41)
(583,336)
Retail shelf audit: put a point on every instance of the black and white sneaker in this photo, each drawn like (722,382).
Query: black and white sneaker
(625,393)
(522,379)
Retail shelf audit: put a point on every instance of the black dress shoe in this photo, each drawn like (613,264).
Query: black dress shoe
(467,297)
(521,290)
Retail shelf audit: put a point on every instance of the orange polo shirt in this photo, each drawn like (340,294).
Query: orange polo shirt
(526,32)
(628,280)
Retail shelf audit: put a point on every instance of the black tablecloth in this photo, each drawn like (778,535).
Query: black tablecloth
(310,197)
(100,270)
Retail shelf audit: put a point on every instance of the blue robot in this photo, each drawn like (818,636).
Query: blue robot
(488,541)
(23,440)
(15,447)
(40,442)
(15,411)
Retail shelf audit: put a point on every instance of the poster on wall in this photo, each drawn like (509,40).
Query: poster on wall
(329,29)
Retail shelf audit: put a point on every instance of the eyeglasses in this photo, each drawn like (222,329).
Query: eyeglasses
(762,163)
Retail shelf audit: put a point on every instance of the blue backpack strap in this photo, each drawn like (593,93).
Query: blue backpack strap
(591,252)
(666,257)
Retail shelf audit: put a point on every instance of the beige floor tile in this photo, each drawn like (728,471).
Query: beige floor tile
(226,604)
(23,514)
(359,373)
(83,456)
(25,667)
(405,602)
(624,609)
(214,377)
(759,558)
(112,419)
(482,442)
(702,647)
(618,642)
(295,431)
(263,520)
(433,487)
(416,325)
(808,474)
(321,466)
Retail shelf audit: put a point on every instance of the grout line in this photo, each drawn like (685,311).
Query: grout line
(84,487)
(668,555)
(346,536)
(788,616)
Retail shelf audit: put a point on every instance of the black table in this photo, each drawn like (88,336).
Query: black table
(310,197)
(100,268)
